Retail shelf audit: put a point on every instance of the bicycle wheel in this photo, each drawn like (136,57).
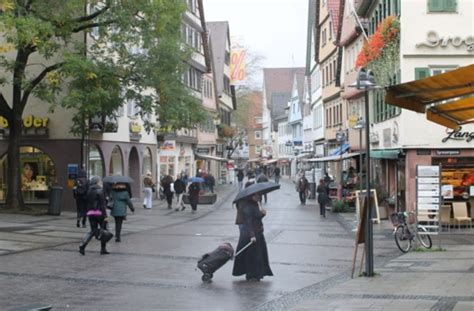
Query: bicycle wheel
(424,239)
(402,239)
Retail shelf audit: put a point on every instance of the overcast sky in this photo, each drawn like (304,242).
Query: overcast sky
(275,29)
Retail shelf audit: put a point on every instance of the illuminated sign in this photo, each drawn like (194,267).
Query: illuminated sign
(28,122)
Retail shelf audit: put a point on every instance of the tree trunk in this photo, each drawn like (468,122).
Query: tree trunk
(14,194)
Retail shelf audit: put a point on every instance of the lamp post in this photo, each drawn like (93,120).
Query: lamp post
(341,137)
(360,126)
(365,81)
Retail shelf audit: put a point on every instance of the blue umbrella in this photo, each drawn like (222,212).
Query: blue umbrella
(196,179)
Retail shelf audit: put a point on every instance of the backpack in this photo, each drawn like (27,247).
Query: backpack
(81,187)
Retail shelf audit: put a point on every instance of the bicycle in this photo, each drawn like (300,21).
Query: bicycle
(404,237)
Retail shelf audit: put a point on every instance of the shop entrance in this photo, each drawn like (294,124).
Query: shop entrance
(38,174)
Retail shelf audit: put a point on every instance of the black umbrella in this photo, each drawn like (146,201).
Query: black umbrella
(117,179)
(261,188)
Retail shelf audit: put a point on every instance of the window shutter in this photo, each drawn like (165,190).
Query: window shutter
(449,5)
(421,73)
(435,5)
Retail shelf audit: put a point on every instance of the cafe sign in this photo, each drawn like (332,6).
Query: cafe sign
(433,40)
(458,135)
(28,122)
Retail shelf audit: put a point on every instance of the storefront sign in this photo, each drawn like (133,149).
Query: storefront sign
(28,122)
(202,150)
(168,145)
(458,135)
(135,127)
(434,40)
(448,152)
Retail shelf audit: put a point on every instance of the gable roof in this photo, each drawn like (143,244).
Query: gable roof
(219,36)
(334,8)
(278,84)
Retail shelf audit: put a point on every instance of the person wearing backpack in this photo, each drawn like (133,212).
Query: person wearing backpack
(80,195)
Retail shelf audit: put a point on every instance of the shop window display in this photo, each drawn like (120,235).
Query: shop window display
(96,162)
(38,174)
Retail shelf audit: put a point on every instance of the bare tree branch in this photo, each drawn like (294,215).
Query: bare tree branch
(91,16)
(37,80)
(92,25)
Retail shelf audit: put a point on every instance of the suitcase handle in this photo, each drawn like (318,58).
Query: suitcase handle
(242,249)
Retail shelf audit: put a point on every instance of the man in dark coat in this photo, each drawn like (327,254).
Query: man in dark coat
(80,195)
(210,182)
(302,187)
(179,189)
(166,184)
(240,178)
(276,171)
(323,197)
(193,191)
(262,178)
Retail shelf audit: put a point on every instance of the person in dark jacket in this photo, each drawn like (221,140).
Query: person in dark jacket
(166,184)
(193,192)
(276,171)
(97,214)
(179,189)
(263,178)
(253,261)
(210,182)
(302,187)
(80,195)
(121,199)
(240,178)
(323,197)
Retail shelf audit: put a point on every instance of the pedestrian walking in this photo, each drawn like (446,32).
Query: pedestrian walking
(240,179)
(253,261)
(302,186)
(323,197)
(148,190)
(80,195)
(180,189)
(193,192)
(167,184)
(276,171)
(210,182)
(263,178)
(120,197)
(97,214)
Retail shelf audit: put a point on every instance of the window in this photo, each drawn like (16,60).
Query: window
(193,79)
(442,5)
(132,108)
(258,134)
(324,37)
(330,30)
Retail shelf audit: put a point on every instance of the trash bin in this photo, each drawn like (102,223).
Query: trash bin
(55,197)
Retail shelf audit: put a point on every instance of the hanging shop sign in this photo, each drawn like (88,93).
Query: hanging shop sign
(458,135)
(168,145)
(433,40)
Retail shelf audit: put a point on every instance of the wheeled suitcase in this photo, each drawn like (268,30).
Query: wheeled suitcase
(211,262)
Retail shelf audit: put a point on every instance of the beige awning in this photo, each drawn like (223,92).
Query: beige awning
(333,158)
(447,98)
(209,157)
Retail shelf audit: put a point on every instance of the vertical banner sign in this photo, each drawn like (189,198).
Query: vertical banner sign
(237,65)
(428,197)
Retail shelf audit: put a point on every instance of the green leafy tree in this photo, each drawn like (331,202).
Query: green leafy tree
(92,56)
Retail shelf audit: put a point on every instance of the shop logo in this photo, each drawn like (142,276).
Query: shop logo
(28,122)
(433,40)
(459,135)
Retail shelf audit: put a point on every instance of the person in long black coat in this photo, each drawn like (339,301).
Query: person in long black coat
(193,192)
(253,261)
(323,197)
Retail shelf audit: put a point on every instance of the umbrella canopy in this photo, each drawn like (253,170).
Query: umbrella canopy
(196,179)
(117,179)
(261,188)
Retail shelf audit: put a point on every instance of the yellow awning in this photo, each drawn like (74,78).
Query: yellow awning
(427,95)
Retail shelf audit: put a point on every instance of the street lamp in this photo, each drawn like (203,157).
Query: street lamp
(341,138)
(366,81)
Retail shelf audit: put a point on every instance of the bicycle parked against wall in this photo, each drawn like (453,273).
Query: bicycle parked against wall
(404,237)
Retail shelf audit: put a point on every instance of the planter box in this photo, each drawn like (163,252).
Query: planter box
(207,198)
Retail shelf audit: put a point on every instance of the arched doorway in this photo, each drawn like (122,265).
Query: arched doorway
(134,171)
(116,162)
(96,161)
(38,174)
